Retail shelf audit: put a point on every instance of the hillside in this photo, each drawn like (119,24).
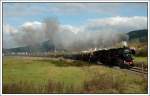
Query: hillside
(138,35)
(139,39)
(42,47)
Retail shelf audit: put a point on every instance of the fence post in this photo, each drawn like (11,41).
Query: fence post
(142,68)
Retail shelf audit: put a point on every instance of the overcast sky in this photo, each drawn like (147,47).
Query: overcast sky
(120,17)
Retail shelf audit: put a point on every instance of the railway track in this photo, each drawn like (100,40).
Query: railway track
(139,70)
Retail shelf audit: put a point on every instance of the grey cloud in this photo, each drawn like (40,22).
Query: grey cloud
(119,24)
(30,9)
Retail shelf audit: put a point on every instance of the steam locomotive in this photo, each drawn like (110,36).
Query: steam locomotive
(122,57)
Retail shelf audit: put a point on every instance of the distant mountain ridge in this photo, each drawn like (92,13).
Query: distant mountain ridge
(140,35)
(42,47)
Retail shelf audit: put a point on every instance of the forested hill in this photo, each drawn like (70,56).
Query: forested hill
(140,35)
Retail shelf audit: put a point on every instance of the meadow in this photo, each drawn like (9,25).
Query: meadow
(46,75)
(141,61)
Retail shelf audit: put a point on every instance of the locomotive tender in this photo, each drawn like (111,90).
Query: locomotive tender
(122,57)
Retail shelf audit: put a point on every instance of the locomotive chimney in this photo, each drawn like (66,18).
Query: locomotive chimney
(124,43)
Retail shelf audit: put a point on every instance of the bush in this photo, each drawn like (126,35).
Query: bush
(142,52)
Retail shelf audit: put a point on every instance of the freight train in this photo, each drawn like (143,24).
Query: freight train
(122,57)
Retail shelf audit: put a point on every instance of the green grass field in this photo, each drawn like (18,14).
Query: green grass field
(141,59)
(43,75)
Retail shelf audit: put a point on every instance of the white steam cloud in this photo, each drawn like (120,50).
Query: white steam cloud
(94,33)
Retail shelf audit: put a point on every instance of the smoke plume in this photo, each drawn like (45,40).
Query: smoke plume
(66,37)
